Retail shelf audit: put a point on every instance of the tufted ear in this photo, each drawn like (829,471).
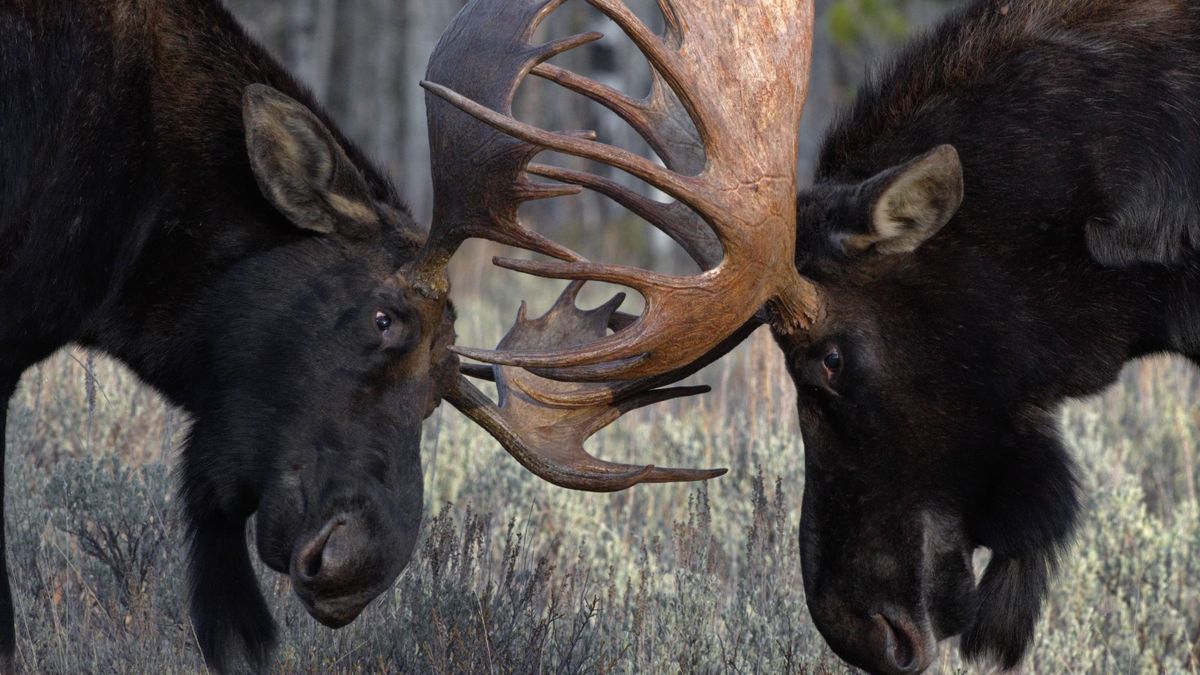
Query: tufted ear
(907,204)
(302,169)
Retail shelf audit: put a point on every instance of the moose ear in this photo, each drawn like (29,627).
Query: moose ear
(908,204)
(301,168)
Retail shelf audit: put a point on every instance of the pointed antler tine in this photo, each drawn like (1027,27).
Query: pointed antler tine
(616,101)
(570,294)
(622,403)
(537,191)
(621,320)
(532,241)
(602,371)
(660,395)
(610,307)
(673,219)
(552,49)
(479,371)
(659,475)
(555,365)
(639,280)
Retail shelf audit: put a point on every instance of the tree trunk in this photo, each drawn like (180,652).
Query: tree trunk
(311,26)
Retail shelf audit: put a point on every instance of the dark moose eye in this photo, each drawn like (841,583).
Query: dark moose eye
(832,362)
(383,321)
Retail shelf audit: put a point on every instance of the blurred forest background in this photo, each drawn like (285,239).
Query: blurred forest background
(364,58)
(514,575)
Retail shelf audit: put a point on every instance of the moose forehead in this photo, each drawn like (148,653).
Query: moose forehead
(319,283)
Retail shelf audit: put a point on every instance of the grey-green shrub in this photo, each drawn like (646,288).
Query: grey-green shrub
(515,576)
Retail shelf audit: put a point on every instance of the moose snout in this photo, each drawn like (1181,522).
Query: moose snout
(900,646)
(324,559)
(330,571)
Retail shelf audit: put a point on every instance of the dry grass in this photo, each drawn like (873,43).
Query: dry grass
(514,575)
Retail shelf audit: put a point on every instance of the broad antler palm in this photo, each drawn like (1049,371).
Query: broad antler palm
(729,81)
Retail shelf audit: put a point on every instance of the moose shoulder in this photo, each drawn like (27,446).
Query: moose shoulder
(170,195)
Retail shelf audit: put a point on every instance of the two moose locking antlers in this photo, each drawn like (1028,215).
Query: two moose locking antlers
(729,83)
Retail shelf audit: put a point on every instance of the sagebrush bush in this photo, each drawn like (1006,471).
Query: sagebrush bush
(513,575)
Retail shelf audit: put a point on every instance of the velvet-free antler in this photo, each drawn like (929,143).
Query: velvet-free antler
(723,115)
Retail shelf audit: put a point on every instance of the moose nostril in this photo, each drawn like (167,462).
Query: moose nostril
(312,556)
(902,643)
(310,566)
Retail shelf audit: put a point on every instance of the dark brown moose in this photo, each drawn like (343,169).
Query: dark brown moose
(171,196)
(1008,214)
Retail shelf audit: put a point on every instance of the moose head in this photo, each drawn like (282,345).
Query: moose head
(335,347)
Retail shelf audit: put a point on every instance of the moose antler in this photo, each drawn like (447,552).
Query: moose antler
(723,115)
(738,71)
(542,422)
(479,177)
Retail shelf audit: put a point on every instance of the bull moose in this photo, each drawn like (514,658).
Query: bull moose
(171,196)
(1008,214)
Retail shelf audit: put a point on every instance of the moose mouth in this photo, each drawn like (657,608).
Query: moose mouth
(338,611)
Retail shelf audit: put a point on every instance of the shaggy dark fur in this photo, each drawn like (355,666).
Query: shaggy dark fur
(245,279)
(958,333)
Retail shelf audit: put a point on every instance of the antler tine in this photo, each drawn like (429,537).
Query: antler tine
(665,61)
(478,172)
(738,72)
(547,435)
(659,118)
(679,187)
(674,219)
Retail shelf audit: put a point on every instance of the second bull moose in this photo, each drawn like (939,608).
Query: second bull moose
(1008,214)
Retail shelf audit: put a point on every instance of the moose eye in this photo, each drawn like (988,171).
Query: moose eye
(383,321)
(832,361)
(398,332)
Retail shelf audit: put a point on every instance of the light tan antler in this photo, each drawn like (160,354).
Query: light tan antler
(739,72)
(544,423)
(723,115)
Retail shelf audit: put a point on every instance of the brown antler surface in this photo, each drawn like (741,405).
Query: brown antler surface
(544,423)
(729,80)
(479,176)
(737,71)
